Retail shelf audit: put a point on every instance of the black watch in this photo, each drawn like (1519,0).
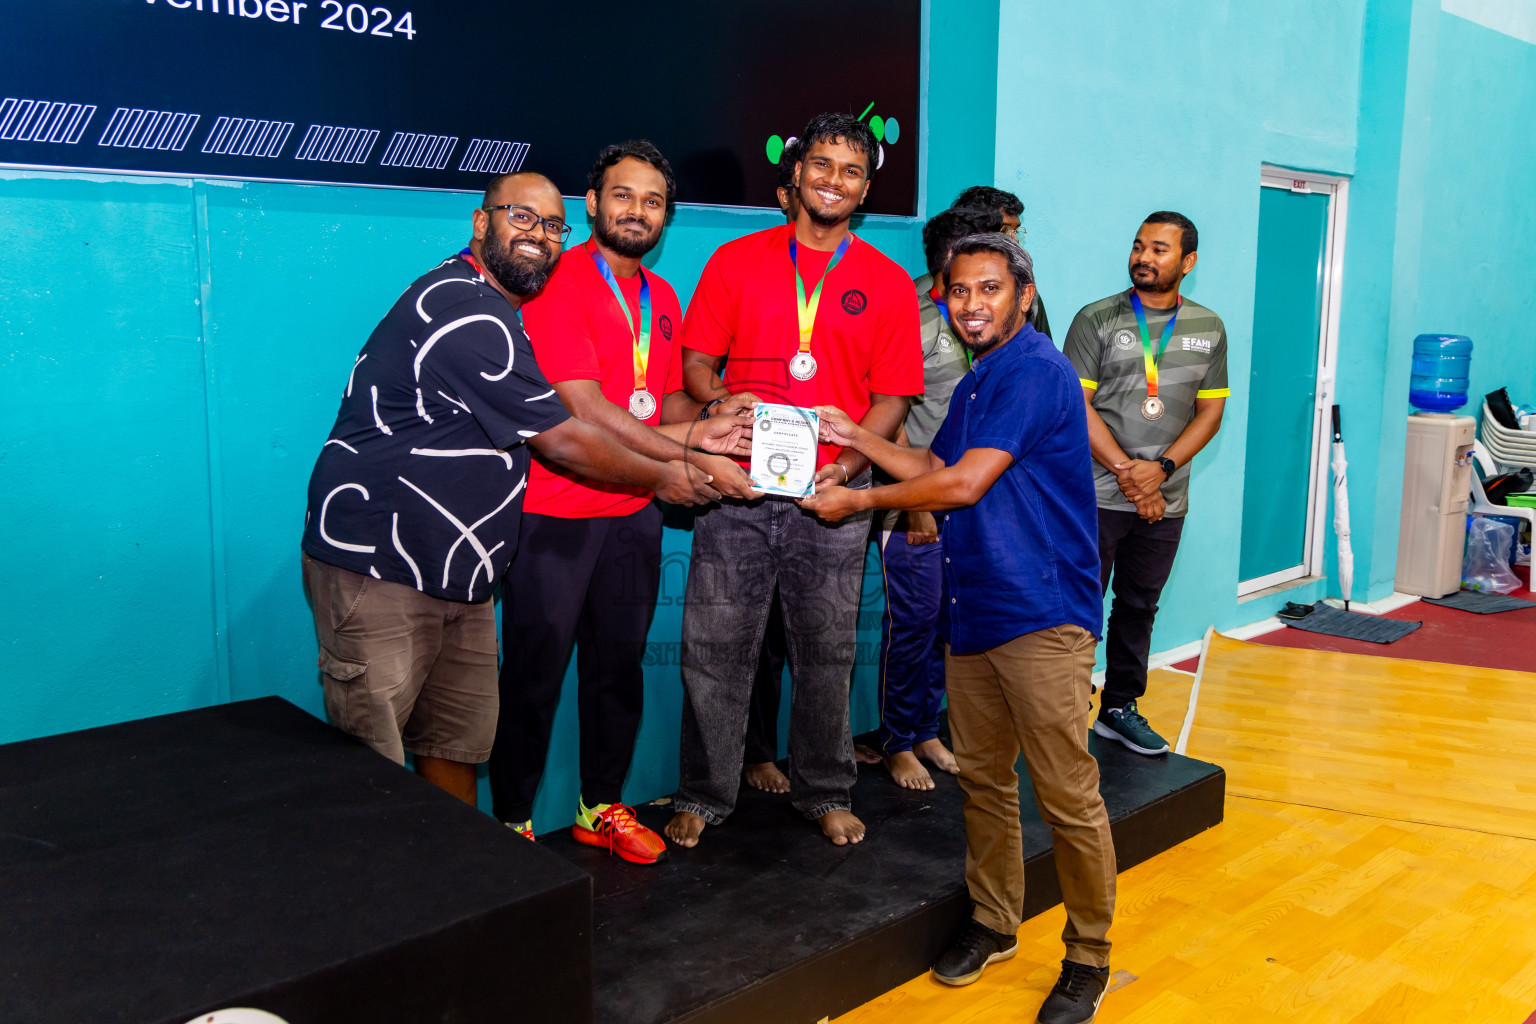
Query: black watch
(1168,466)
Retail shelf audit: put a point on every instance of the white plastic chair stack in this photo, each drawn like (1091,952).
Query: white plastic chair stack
(1513,448)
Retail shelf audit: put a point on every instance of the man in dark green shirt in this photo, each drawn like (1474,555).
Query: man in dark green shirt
(1153,367)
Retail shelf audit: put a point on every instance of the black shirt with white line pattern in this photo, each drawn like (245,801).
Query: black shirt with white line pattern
(421,481)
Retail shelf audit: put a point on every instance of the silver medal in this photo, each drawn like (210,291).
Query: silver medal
(803,366)
(641,405)
(1152,408)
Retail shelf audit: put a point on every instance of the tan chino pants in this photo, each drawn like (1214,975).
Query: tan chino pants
(1031,694)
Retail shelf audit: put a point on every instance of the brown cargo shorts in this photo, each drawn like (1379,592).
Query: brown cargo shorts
(404,670)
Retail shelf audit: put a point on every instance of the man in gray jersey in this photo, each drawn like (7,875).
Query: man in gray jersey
(986,197)
(1153,366)
(911,651)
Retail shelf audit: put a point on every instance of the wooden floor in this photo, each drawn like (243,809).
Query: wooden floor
(1377,862)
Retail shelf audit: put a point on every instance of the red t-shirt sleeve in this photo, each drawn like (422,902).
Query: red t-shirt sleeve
(711,323)
(669,312)
(557,325)
(897,366)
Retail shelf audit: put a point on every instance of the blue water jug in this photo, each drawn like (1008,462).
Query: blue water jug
(1441,365)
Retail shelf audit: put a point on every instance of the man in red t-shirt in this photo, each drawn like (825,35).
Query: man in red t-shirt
(605,332)
(847,333)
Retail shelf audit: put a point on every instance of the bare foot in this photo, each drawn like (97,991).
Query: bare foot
(908,771)
(766,777)
(684,828)
(935,752)
(840,826)
(865,755)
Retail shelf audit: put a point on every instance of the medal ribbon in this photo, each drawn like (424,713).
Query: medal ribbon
(806,310)
(1150,360)
(641,336)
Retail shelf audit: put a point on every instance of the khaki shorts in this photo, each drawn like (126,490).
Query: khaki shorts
(404,670)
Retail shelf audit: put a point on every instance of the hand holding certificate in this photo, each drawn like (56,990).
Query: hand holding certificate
(784,443)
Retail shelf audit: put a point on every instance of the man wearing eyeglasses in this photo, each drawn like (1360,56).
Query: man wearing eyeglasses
(415,499)
(986,197)
(606,331)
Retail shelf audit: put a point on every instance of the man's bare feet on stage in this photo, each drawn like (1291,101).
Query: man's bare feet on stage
(684,828)
(840,826)
(908,771)
(766,777)
(937,754)
(865,755)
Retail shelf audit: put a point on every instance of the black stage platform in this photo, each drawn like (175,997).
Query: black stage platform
(250,855)
(766,922)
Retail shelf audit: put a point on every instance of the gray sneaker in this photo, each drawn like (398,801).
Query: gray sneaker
(1127,726)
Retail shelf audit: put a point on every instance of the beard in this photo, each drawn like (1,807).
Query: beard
(520,275)
(1010,326)
(626,245)
(1159,283)
(812,207)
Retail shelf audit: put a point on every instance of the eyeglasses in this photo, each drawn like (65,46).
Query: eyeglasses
(525,219)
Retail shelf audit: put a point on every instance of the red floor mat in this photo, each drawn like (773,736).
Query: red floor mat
(1503,640)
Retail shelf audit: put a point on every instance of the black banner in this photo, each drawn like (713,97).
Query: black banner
(443,93)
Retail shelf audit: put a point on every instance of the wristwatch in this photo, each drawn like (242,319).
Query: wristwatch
(704,412)
(1168,466)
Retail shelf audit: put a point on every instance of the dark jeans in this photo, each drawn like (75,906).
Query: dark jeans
(911,653)
(741,551)
(1139,557)
(763,712)
(591,582)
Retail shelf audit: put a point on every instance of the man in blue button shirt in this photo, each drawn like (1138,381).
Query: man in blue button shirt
(1022,610)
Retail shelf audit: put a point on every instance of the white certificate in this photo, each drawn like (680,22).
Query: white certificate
(784,444)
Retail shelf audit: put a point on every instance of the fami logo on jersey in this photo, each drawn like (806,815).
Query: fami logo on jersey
(1197,345)
(854,302)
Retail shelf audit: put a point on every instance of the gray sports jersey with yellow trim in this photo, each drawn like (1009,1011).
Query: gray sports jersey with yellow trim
(944,363)
(1104,345)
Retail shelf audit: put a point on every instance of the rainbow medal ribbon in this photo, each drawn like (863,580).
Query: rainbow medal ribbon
(803,365)
(1152,408)
(642,404)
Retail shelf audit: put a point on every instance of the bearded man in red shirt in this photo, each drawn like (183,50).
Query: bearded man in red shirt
(606,332)
(804,314)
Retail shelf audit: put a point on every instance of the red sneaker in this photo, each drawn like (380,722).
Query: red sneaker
(615,829)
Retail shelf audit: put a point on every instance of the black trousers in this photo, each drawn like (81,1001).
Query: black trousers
(1136,556)
(591,582)
(763,712)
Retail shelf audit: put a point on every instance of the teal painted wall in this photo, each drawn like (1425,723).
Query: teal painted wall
(1475,275)
(959,100)
(1102,119)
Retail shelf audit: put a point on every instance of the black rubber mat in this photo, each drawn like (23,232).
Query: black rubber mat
(1331,621)
(1481,602)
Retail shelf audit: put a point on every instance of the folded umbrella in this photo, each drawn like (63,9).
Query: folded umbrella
(1341,512)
